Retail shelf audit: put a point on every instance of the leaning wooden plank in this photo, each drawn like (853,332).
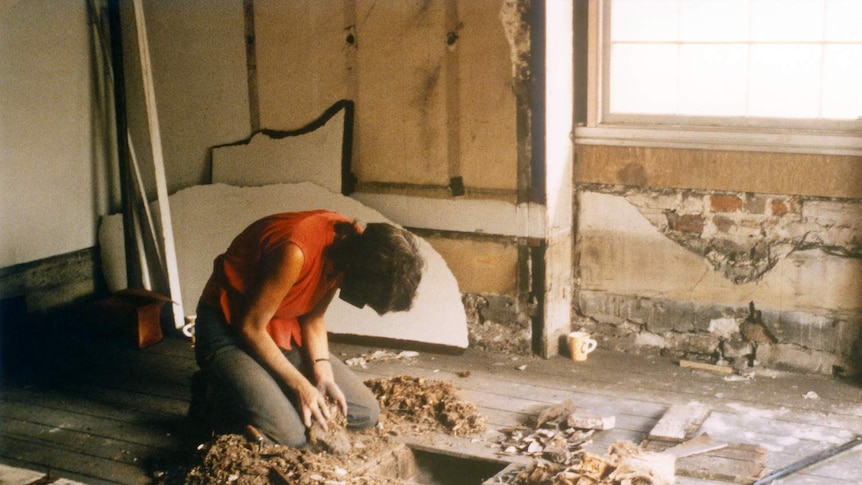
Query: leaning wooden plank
(167,232)
(679,423)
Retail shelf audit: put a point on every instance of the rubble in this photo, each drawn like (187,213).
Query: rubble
(408,405)
(624,464)
(233,459)
(432,405)
(559,458)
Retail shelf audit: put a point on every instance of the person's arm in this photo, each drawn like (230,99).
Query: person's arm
(316,343)
(280,272)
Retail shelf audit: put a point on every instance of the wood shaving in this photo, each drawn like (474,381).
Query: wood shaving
(233,459)
(431,404)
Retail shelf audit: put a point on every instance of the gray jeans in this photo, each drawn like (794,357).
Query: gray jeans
(243,392)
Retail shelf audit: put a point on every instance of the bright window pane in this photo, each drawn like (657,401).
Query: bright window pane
(842,82)
(644,20)
(785,81)
(736,58)
(844,20)
(787,20)
(713,20)
(713,79)
(644,78)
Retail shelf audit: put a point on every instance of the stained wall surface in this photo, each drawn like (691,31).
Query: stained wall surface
(672,243)
(432,82)
(434,92)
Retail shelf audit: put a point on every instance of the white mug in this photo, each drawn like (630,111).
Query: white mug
(580,345)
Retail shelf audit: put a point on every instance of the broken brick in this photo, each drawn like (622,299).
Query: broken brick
(779,208)
(725,203)
(691,223)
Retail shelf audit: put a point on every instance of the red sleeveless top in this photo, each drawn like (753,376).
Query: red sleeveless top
(236,271)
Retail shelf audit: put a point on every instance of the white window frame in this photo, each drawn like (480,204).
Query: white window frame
(720,133)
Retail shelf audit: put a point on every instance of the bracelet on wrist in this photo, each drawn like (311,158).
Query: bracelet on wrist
(322,359)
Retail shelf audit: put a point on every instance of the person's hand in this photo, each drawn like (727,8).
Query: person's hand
(326,385)
(313,405)
(331,390)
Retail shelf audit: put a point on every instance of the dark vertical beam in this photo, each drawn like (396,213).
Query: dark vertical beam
(453,99)
(134,278)
(523,98)
(538,46)
(580,25)
(251,65)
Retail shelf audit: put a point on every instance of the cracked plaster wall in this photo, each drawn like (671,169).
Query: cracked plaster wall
(659,267)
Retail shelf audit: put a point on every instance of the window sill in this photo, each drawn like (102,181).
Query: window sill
(826,143)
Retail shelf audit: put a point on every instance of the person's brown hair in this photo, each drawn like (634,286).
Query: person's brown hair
(383,264)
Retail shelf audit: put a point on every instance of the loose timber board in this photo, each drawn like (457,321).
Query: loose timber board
(679,423)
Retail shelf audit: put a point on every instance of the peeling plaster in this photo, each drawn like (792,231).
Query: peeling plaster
(514,18)
(743,236)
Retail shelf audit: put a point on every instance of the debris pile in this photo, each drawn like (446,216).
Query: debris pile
(408,404)
(559,446)
(428,404)
(556,444)
(624,464)
(233,459)
(558,434)
(335,440)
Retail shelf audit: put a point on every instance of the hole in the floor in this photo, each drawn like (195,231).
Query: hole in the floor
(443,469)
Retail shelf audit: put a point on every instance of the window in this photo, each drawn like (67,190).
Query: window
(749,66)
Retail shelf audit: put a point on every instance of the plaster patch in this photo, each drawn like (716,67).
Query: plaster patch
(207,217)
(648,339)
(724,328)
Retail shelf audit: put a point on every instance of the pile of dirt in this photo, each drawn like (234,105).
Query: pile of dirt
(408,405)
(427,405)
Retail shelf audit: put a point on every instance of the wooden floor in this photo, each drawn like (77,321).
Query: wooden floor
(95,413)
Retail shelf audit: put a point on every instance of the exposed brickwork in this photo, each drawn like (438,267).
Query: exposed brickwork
(725,203)
(778,208)
(743,236)
(688,223)
(754,205)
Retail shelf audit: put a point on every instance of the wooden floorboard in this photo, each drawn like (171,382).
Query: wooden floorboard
(770,411)
(102,413)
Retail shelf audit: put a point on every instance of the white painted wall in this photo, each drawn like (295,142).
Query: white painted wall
(197,52)
(49,198)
